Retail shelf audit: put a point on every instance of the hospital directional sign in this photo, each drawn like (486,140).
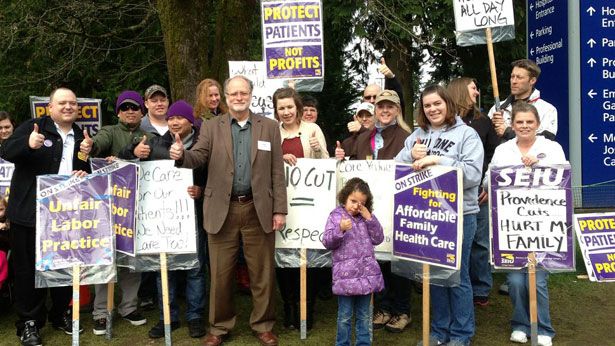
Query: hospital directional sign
(547,45)
(597,36)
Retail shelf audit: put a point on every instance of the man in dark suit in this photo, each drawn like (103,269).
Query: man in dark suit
(46,145)
(245,198)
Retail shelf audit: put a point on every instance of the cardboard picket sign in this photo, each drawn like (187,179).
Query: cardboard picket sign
(531,209)
(480,14)
(428,216)
(596,236)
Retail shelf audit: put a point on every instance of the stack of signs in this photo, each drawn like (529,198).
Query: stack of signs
(310,188)
(596,234)
(73,222)
(531,211)
(428,218)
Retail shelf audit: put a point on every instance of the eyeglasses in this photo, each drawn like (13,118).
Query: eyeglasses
(126,106)
(238,94)
(369,97)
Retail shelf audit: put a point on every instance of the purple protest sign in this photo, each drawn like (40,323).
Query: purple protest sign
(89,112)
(73,222)
(531,211)
(123,201)
(292,39)
(6,173)
(596,235)
(427,220)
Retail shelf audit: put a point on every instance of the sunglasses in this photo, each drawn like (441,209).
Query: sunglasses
(369,97)
(126,106)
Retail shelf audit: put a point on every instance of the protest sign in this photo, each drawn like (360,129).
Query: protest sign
(531,211)
(310,191)
(480,14)
(73,222)
(123,200)
(6,173)
(379,175)
(165,213)
(89,112)
(596,235)
(262,101)
(292,39)
(428,218)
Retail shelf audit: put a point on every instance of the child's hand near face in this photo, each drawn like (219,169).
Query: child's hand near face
(345,225)
(365,212)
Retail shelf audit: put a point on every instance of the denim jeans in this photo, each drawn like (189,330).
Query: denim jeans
(519,296)
(195,294)
(453,307)
(480,268)
(363,324)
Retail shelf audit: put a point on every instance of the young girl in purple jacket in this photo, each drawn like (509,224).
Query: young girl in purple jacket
(351,234)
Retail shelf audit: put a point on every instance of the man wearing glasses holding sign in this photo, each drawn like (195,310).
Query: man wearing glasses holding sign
(244,200)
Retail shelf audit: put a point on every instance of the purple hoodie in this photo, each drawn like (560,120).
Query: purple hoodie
(355,269)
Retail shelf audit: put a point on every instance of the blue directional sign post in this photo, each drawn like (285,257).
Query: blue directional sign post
(597,42)
(547,45)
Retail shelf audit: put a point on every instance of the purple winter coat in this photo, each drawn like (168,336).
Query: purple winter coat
(355,269)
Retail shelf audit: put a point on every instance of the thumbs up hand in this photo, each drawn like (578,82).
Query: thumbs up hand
(86,143)
(176,152)
(314,144)
(345,225)
(339,152)
(384,69)
(419,150)
(142,149)
(36,139)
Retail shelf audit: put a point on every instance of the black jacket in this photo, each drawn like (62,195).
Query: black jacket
(32,162)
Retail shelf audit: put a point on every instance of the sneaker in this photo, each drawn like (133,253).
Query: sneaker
(481,301)
(135,318)
(397,323)
(432,342)
(100,326)
(196,328)
(66,324)
(503,289)
(157,331)
(518,337)
(544,340)
(381,318)
(30,336)
(457,343)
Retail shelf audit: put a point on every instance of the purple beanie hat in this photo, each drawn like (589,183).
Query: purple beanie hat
(181,108)
(128,95)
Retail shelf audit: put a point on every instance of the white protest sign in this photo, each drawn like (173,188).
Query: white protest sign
(380,176)
(165,215)
(6,173)
(310,191)
(480,14)
(262,95)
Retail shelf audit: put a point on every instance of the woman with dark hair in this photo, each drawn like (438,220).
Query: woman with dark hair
(453,312)
(7,126)
(208,101)
(464,93)
(300,139)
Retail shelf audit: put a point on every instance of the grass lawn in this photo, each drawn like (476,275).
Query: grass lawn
(582,314)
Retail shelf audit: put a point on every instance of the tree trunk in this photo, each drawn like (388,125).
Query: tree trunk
(185,33)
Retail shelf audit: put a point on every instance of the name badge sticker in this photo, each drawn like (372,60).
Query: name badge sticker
(264,145)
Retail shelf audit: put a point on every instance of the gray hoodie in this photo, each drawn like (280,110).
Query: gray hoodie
(458,146)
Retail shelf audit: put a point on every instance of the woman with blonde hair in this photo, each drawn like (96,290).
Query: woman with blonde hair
(209,101)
